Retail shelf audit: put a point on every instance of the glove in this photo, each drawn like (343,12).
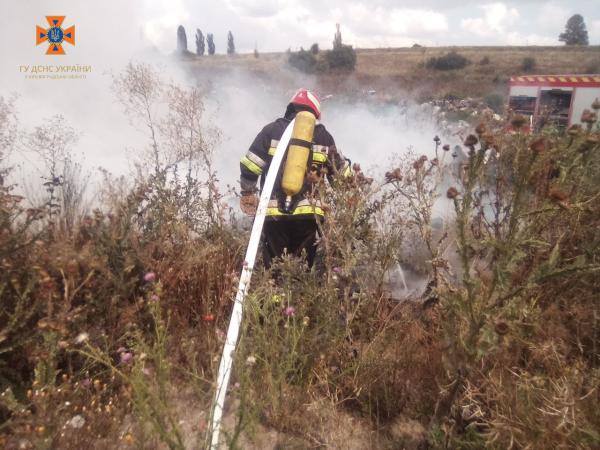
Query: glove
(249,203)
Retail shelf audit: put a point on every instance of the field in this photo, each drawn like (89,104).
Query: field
(396,72)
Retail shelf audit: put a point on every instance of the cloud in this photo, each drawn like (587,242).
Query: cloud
(394,21)
(497,17)
(517,38)
(552,18)
(594,32)
(255,8)
(161,18)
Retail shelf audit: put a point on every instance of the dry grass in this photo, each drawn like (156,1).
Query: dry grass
(394,72)
(106,327)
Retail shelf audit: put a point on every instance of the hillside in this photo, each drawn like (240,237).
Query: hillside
(397,71)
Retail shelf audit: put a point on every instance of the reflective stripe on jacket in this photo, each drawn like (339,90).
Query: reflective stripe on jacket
(325,160)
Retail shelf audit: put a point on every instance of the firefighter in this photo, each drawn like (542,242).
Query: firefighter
(290,229)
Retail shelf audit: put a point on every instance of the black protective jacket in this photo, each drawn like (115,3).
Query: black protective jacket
(325,160)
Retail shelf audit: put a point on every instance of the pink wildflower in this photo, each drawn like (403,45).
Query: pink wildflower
(289,311)
(126,357)
(220,334)
(149,277)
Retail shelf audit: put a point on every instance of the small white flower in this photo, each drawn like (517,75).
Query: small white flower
(251,360)
(81,338)
(76,421)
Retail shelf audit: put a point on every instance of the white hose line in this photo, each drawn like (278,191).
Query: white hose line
(236,315)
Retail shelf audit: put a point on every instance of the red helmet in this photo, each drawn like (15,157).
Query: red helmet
(306,98)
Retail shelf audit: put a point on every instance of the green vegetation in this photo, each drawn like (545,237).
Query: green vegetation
(450,61)
(230,44)
(111,326)
(210,43)
(528,64)
(341,58)
(303,60)
(200,44)
(575,31)
(181,40)
(495,101)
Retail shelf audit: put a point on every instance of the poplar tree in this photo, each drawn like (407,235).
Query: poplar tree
(230,44)
(210,42)
(181,39)
(199,43)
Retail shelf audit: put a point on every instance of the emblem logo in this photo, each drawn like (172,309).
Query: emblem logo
(55,35)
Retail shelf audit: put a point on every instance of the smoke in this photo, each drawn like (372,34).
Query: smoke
(105,39)
(366,131)
(239,103)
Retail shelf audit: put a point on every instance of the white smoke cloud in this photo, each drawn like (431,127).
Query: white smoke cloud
(365,130)
(239,103)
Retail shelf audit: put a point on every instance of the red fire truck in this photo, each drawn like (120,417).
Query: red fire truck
(558,99)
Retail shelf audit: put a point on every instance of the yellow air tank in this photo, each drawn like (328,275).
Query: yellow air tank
(296,162)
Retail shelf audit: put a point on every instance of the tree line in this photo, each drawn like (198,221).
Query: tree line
(203,44)
(343,56)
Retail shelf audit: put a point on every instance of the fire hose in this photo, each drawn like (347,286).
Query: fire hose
(236,315)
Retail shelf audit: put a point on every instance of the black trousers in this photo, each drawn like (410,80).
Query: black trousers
(291,236)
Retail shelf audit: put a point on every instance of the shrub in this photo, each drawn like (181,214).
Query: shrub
(343,57)
(102,326)
(528,64)
(322,65)
(105,282)
(314,49)
(450,61)
(494,101)
(303,60)
(484,61)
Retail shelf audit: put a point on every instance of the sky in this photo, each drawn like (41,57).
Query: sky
(112,32)
(388,23)
(275,25)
